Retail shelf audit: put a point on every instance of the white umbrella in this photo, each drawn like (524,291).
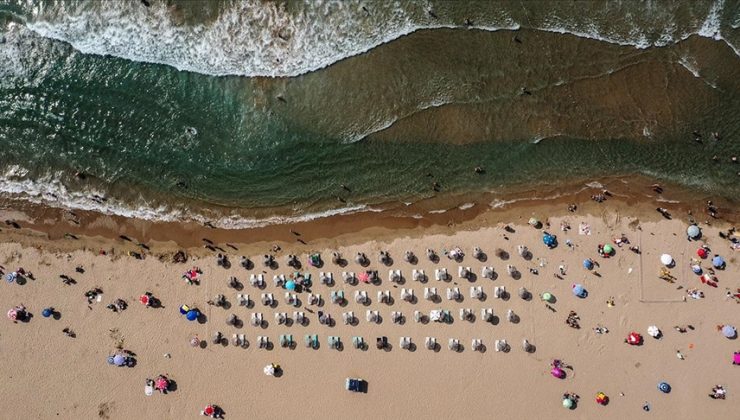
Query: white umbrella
(435,315)
(653,331)
(269,370)
(666,259)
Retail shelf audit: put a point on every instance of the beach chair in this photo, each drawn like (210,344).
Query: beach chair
(512,270)
(430,343)
(314,299)
(440,274)
(466,314)
(281,317)
(526,346)
(407,295)
(242,299)
(430,293)
(499,292)
(446,316)
(384,296)
(486,314)
(268,299)
(286,340)
(361,297)
(476,292)
(476,344)
(278,280)
(372,316)
(263,342)
(290,298)
(463,272)
(394,276)
(405,343)
(256,319)
(511,316)
(349,277)
(337,296)
(397,317)
(299,317)
(311,341)
(453,293)
(334,342)
(501,345)
(381,342)
(486,272)
(326,278)
(257,280)
(418,316)
(453,344)
(418,275)
(358,342)
(348,317)
(242,341)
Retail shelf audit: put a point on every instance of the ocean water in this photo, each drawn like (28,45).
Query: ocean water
(253,112)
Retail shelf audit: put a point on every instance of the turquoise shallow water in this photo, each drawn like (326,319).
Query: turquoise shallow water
(532,106)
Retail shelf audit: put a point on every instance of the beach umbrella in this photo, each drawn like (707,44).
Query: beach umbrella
(144,299)
(12,314)
(701,252)
(290,285)
(119,360)
(736,358)
(161,383)
(364,277)
(10,277)
(269,370)
(184,309)
(557,372)
(601,398)
(588,264)
(693,231)
(209,410)
(195,342)
(547,297)
(718,262)
(729,331)
(567,403)
(534,222)
(47,312)
(192,315)
(548,240)
(653,331)
(579,291)
(696,268)
(664,387)
(634,338)
(666,259)
(608,249)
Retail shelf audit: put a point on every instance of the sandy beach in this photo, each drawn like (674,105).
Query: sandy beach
(55,376)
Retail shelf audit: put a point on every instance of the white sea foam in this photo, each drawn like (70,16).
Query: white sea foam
(258,38)
(466,206)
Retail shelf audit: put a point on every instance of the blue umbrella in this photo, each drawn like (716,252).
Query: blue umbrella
(290,285)
(119,360)
(192,315)
(47,312)
(549,240)
(588,264)
(718,262)
(696,269)
(693,231)
(664,387)
(579,291)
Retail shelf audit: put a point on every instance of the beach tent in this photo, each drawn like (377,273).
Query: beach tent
(579,291)
(729,331)
(666,259)
(718,262)
(694,232)
(664,387)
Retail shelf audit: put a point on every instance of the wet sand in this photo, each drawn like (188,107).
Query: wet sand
(57,376)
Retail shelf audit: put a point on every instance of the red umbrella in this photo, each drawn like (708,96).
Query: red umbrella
(209,410)
(701,252)
(634,339)
(162,383)
(364,277)
(144,299)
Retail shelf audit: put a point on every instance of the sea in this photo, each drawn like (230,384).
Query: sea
(246,113)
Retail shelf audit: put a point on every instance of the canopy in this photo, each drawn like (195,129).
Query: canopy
(119,360)
(579,291)
(192,315)
(666,259)
(693,231)
(13,314)
(548,240)
(364,277)
(608,249)
(290,285)
(161,383)
(718,262)
(567,403)
(588,264)
(729,331)
(701,252)
(664,387)
(269,370)
(144,299)
(47,312)
(653,331)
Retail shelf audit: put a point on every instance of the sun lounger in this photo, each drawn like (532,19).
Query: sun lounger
(394,276)
(430,293)
(372,316)
(466,314)
(499,292)
(476,292)
(334,342)
(326,278)
(337,296)
(299,317)
(348,317)
(311,341)
(526,346)
(476,344)
(281,317)
(263,341)
(511,316)
(453,293)
(286,340)
(384,296)
(349,277)
(440,274)
(242,299)
(486,272)
(486,314)
(397,317)
(358,342)
(418,316)
(418,275)
(501,345)
(522,250)
(405,342)
(463,272)
(314,299)
(361,296)
(257,280)
(430,343)
(278,280)
(290,298)
(407,295)
(453,344)
(256,319)
(512,270)
(148,390)
(268,299)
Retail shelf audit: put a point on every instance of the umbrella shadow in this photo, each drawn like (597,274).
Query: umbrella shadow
(472,277)
(202,318)
(483,257)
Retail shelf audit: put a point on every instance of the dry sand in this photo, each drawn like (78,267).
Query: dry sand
(48,375)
